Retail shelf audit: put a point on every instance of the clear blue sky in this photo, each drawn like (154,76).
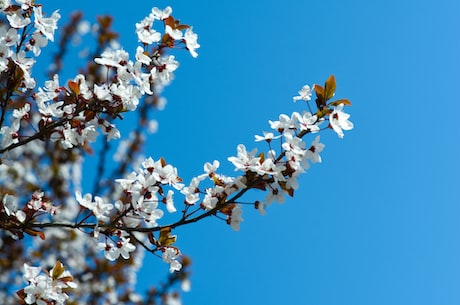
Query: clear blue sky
(378,222)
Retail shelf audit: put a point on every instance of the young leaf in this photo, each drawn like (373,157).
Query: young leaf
(58,270)
(341,101)
(329,87)
(74,87)
(165,237)
(319,91)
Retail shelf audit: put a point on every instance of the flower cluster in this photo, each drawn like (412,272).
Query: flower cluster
(144,191)
(15,49)
(43,289)
(73,114)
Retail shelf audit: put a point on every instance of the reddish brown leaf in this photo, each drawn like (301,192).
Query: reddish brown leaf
(165,237)
(74,87)
(341,101)
(329,87)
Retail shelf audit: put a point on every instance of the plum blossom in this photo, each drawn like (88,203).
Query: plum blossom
(141,57)
(304,94)
(10,134)
(191,192)
(10,205)
(244,160)
(267,137)
(144,30)
(161,14)
(174,33)
(170,256)
(312,153)
(339,120)
(25,64)
(8,38)
(99,207)
(49,287)
(36,43)
(275,195)
(17,21)
(285,123)
(110,58)
(169,202)
(308,122)
(235,217)
(113,251)
(5,53)
(191,42)
(46,26)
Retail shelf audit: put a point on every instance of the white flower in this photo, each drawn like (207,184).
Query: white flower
(9,38)
(111,58)
(167,65)
(235,218)
(285,123)
(21,112)
(339,120)
(161,14)
(99,207)
(170,256)
(308,122)
(36,43)
(304,94)
(10,204)
(46,26)
(144,30)
(244,160)
(17,21)
(275,195)
(113,251)
(47,288)
(210,169)
(268,137)
(141,57)
(191,192)
(10,134)
(169,202)
(5,53)
(191,42)
(312,153)
(175,34)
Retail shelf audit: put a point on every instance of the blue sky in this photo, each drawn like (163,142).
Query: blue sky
(378,222)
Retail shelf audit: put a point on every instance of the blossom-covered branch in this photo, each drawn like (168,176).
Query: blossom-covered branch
(47,131)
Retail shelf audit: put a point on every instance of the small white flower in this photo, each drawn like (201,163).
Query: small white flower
(235,218)
(304,94)
(339,120)
(191,42)
(268,137)
(170,256)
